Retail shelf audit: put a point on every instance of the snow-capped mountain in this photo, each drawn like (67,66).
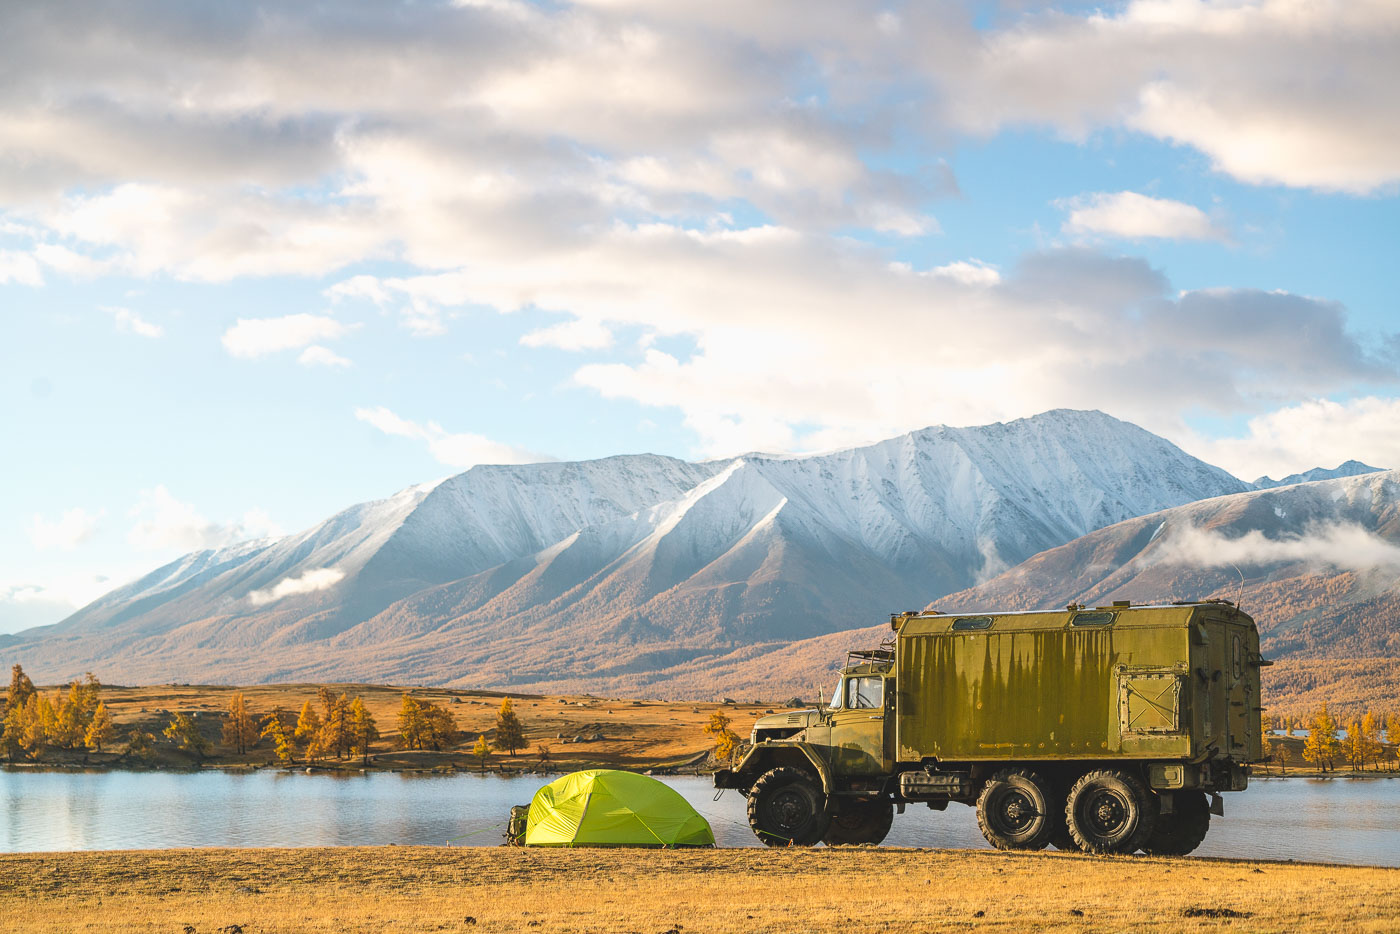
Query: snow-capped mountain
(552,572)
(1351,468)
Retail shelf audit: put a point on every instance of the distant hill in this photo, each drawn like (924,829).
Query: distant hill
(635,570)
(1346,469)
(1316,564)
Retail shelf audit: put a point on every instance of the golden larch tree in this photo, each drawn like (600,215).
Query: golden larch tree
(481,750)
(725,739)
(308,732)
(510,732)
(241,726)
(101,730)
(184,732)
(363,730)
(412,724)
(1370,738)
(336,737)
(276,730)
(1322,748)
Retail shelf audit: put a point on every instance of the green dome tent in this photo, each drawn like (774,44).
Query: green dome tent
(606,807)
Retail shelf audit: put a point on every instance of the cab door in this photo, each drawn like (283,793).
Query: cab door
(859,745)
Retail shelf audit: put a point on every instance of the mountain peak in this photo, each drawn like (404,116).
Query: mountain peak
(1350,468)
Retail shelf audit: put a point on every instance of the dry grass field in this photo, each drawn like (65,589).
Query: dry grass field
(636,734)
(411,889)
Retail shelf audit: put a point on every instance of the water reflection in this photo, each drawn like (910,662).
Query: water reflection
(1338,820)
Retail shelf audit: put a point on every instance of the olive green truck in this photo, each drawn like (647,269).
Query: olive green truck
(1104,729)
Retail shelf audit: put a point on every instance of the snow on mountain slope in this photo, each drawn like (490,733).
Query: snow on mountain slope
(1347,469)
(526,573)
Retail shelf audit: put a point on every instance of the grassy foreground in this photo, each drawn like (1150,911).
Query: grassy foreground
(394,889)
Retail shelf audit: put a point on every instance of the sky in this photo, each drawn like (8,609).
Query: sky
(259,262)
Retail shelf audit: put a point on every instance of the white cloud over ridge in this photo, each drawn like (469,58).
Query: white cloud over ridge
(794,329)
(1341,545)
(164,523)
(304,583)
(460,450)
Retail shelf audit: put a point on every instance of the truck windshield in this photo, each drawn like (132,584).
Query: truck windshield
(864,692)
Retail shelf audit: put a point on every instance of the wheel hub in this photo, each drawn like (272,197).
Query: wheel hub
(1108,813)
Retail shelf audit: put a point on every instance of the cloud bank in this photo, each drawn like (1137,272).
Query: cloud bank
(1342,545)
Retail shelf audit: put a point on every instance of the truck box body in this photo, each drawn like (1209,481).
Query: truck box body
(1143,682)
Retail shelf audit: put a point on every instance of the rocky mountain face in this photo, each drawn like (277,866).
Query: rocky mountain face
(627,570)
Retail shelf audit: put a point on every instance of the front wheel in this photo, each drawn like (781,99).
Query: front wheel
(1110,812)
(787,808)
(857,821)
(1014,810)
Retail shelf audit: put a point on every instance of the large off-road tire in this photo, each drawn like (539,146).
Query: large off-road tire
(1110,812)
(859,821)
(1015,810)
(1181,831)
(787,808)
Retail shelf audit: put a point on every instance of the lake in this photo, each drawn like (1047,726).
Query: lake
(1327,820)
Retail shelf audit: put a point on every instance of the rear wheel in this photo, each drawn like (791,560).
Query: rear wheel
(787,808)
(859,821)
(1110,812)
(1014,810)
(1181,831)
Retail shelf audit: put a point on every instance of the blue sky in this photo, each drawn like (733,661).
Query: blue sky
(259,264)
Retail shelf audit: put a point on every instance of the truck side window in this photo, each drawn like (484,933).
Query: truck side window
(964,623)
(865,693)
(1092,619)
(837,695)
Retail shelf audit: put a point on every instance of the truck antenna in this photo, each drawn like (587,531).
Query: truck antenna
(1239,596)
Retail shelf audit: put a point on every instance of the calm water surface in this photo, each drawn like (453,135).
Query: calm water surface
(1341,820)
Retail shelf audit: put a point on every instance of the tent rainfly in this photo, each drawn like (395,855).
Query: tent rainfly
(607,807)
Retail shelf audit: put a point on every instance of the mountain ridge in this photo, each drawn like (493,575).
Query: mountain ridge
(531,572)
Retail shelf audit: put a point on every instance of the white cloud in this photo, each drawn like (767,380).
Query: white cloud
(1133,216)
(1273,91)
(570,335)
(256,337)
(128,320)
(67,532)
(164,523)
(307,582)
(459,450)
(1316,433)
(20,268)
(316,355)
(1341,545)
(793,329)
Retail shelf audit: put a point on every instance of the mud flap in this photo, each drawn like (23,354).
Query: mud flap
(1217,805)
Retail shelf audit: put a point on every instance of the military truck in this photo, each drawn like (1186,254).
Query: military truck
(1105,729)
